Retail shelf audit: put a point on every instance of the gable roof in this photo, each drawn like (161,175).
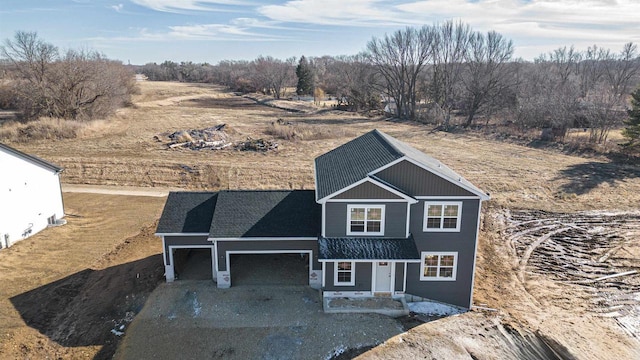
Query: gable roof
(352,162)
(187,212)
(364,156)
(30,158)
(269,213)
(349,248)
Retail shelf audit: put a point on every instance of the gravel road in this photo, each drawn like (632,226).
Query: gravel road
(195,320)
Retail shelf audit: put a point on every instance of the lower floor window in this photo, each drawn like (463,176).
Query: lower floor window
(438,266)
(344,273)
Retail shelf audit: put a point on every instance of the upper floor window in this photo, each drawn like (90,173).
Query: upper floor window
(365,220)
(439,266)
(442,216)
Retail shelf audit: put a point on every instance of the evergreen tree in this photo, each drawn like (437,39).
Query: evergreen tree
(632,130)
(305,77)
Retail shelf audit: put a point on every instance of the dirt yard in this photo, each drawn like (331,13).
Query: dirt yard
(64,289)
(542,281)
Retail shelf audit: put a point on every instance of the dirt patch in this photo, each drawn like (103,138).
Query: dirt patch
(66,288)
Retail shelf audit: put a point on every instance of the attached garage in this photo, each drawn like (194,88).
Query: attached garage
(184,229)
(252,237)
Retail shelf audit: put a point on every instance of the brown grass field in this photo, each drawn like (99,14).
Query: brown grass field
(105,233)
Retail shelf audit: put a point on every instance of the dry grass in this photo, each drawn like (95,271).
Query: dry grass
(288,131)
(48,129)
(123,152)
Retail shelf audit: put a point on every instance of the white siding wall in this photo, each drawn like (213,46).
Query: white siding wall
(29,195)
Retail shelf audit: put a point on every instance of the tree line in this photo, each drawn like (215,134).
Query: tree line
(40,80)
(445,72)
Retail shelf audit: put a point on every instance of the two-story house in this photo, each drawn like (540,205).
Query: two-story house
(385,219)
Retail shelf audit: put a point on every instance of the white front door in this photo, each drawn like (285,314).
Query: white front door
(383,277)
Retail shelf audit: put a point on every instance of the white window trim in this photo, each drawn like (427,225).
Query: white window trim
(424,254)
(443,203)
(366,207)
(344,283)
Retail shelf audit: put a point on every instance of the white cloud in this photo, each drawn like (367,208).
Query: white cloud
(335,12)
(609,23)
(118,7)
(182,5)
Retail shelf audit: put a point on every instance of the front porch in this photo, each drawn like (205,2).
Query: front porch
(384,305)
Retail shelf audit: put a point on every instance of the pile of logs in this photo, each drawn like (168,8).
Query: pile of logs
(256,145)
(213,138)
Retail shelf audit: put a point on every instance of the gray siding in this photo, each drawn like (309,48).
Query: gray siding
(394,225)
(419,182)
(399,281)
(183,241)
(367,190)
(363,278)
(454,292)
(244,245)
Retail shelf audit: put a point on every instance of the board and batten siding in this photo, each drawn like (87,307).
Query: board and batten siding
(367,190)
(456,292)
(362,278)
(395,218)
(417,181)
(29,196)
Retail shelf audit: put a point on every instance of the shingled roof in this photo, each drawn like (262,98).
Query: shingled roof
(30,158)
(276,213)
(367,248)
(355,160)
(187,212)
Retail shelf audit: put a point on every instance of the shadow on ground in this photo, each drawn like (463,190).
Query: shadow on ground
(585,177)
(83,308)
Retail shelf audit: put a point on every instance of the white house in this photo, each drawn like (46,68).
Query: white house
(30,195)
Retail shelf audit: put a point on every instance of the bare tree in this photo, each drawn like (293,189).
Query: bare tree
(400,58)
(450,46)
(81,84)
(488,74)
(354,82)
(272,75)
(604,103)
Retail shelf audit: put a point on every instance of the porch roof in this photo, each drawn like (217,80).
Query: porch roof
(362,248)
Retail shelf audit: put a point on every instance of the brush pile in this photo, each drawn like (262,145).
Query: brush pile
(213,138)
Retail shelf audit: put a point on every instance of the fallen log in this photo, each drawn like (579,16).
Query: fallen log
(616,275)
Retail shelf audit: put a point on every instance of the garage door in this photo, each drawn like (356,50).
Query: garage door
(192,263)
(270,269)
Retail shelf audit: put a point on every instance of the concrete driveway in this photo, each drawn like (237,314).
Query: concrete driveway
(195,320)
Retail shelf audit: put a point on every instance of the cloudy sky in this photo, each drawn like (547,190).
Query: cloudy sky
(141,31)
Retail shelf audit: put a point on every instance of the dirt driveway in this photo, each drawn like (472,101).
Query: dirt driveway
(195,320)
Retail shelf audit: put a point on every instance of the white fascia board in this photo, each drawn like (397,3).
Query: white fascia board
(457,182)
(386,166)
(324,199)
(181,234)
(315,181)
(390,189)
(263,239)
(374,182)
(475,255)
(448,198)
(369,260)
